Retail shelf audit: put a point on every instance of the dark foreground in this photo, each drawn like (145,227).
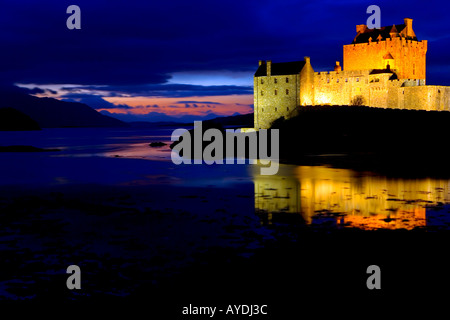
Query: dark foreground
(143,249)
(389,141)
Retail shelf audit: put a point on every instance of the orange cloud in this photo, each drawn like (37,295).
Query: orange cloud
(221,105)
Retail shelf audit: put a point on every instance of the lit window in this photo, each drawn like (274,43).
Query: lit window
(275,80)
(287,91)
(287,80)
(276,92)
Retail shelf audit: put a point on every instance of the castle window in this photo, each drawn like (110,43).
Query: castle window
(276,109)
(287,109)
(262,92)
(275,80)
(276,92)
(337,80)
(357,79)
(287,91)
(262,81)
(287,80)
(262,109)
(328,80)
(346,80)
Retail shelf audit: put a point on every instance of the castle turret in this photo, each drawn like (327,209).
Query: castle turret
(269,68)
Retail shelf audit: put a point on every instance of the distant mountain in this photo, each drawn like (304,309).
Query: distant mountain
(147,124)
(158,117)
(14,120)
(242,120)
(53,113)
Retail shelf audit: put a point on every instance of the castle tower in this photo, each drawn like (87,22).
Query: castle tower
(396,46)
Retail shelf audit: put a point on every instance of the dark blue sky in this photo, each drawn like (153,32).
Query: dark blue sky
(188,50)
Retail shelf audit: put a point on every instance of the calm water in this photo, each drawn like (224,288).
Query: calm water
(345,198)
(332,197)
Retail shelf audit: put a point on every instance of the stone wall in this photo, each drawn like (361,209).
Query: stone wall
(426,98)
(274,97)
(339,88)
(279,96)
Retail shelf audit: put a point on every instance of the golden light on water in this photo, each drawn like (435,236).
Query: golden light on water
(348,198)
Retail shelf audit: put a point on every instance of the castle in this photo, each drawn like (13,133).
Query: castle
(383,68)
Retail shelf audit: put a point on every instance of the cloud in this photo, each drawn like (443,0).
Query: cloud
(199,102)
(144,42)
(162,90)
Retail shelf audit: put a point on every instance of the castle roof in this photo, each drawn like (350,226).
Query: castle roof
(378,71)
(281,68)
(385,71)
(381,34)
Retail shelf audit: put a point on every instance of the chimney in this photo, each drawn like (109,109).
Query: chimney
(307,60)
(409,30)
(269,68)
(337,67)
(260,62)
(360,28)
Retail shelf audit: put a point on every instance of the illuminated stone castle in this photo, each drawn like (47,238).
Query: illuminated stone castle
(384,68)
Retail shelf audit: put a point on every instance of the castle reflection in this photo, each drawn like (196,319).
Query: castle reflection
(345,198)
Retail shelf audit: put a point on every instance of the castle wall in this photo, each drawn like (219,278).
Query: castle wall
(339,88)
(409,57)
(426,98)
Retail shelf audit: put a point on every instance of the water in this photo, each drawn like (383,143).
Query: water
(344,198)
(133,221)
(337,198)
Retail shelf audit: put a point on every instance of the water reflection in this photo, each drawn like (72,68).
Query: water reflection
(345,198)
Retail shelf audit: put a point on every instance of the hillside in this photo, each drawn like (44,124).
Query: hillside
(366,138)
(14,120)
(53,113)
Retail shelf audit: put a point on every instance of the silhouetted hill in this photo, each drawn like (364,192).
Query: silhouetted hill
(53,113)
(14,120)
(241,120)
